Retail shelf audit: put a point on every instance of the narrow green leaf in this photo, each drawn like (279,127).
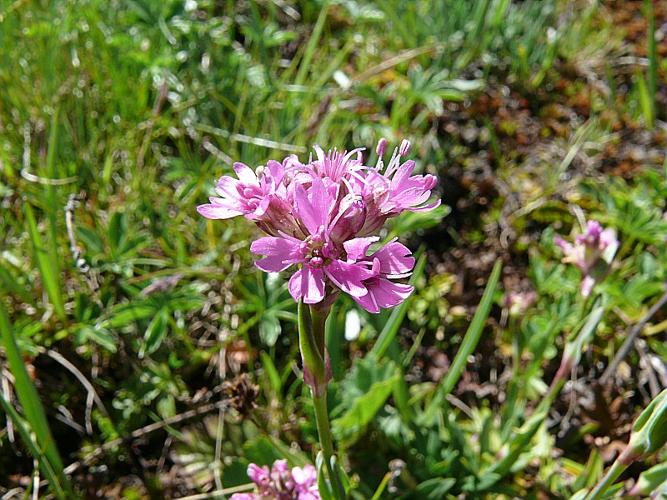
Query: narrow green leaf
(272,373)
(52,206)
(652,54)
(311,47)
(645,100)
(525,433)
(49,273)
(118,231)
(363,410)
(470,341)
(27,394)
(155,333)
(99,335)
(322,485)
(383,486)
(24,430)
(124,314)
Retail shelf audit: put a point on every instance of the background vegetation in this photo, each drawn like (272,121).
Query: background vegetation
(164,362)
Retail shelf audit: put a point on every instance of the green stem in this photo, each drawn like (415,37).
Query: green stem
(326,442)
(312,321)
(554,389)
(609,478)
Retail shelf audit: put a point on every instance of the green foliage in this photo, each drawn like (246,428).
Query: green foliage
(365,390)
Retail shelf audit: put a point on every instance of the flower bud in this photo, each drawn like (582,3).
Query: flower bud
(381,147)
(404,148)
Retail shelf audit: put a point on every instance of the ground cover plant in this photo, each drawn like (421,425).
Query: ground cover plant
(480,315)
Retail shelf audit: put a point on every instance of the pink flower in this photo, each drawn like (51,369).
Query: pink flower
(281,483)
(305,482)
(318,254)
(249,195)
(318,215)
(259,475)
(592,252)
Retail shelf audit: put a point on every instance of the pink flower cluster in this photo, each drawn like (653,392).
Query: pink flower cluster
(281,483)
(592,253)
(323,218)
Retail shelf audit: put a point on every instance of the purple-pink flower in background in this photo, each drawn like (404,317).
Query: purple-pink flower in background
(281,483)
(592,252)
(322,218)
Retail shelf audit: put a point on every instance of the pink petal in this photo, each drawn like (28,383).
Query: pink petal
(280,253)
(227,187)
(276,171)
(403,172)
(368,302)
(258,475)
(245,173)
(308,495)
(608,238)
(262,207)
(390,294)
(305,476)
(213,211)
(313,206)
(426,208)
(307,283)
(356,248)
(395,258)
(565,246)
(383,293)
(587,285)
(348,277)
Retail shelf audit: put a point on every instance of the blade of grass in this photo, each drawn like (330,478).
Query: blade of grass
(390,329)
(27,394)
(50,275)
(44,464)
(52,173)
(470,341)
(311,47)
(645,100)
(652,54)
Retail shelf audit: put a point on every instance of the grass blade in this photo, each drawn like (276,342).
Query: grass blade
(48,271)
(44,464)
(652,53)
(311,47)
(27,394)
(468,346)
(645,102)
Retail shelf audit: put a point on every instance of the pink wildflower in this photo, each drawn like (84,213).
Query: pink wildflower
(592,252)
(322,217)
(299,483)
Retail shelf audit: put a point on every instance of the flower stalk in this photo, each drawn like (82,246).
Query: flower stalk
(317,373)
